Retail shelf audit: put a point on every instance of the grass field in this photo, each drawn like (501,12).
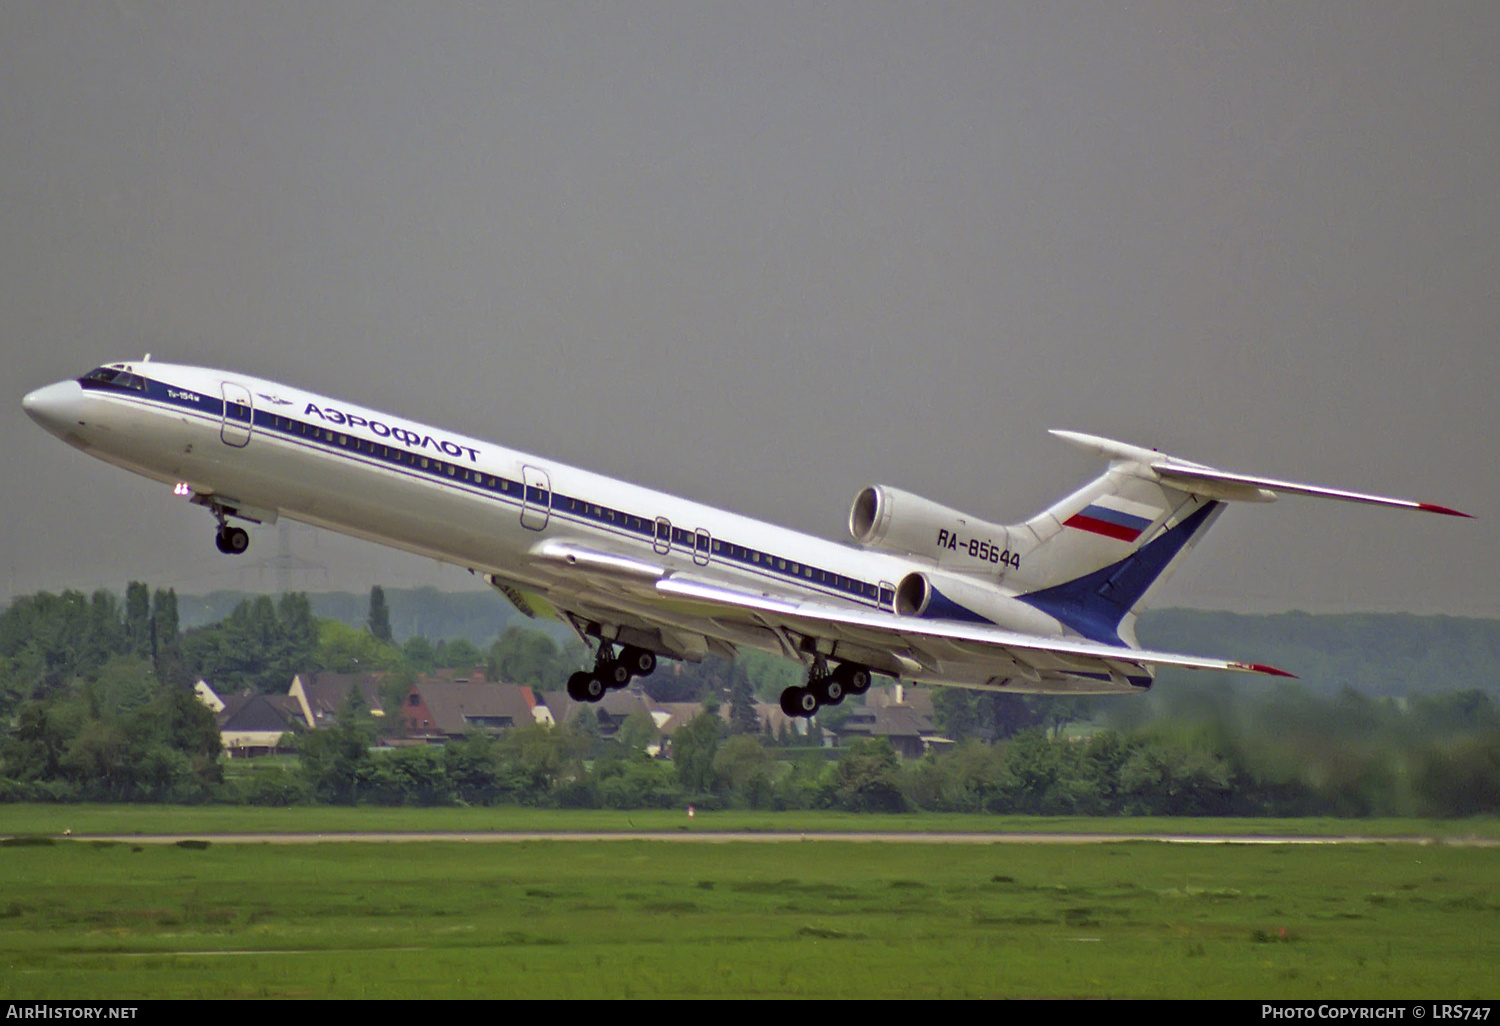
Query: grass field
(651,919)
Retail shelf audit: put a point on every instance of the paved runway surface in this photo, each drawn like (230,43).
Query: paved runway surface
(730,837)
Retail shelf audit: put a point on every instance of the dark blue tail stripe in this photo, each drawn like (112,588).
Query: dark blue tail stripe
(1094,604)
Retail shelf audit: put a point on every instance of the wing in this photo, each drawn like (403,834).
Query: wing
(922,648)
(645,594)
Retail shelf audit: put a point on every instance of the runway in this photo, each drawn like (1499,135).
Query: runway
(770,837)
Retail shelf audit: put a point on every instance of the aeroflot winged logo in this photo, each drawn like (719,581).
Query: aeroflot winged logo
(408,438)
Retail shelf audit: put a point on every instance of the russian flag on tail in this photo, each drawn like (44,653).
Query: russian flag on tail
(1114,517)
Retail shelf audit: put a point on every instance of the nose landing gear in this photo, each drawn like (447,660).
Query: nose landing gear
(232,540)
(229,539)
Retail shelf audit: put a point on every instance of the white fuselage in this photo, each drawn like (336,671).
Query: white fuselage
(262,450)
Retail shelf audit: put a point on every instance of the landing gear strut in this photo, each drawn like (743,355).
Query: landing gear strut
(610,672)
(825,687)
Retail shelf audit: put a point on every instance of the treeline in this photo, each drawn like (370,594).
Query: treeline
(1393,654)
(96,698)
(1289,754)
(1376,653)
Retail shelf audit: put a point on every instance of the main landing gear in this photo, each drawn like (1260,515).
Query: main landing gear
(825,687)
(610,672)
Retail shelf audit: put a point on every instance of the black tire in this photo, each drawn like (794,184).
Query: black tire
(855,678)
(799,702)
(640,662)
(222,544)
(807,701)
(789,704)
(575,687)
(238,540)
(593,687)
(615,675)
(830,690)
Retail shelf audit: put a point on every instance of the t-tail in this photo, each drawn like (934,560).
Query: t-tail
(1094,560)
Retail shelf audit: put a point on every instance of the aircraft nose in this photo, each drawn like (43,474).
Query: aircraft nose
(55,407)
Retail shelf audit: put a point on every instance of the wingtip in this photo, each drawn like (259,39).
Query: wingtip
(1269,671)
(1433,507)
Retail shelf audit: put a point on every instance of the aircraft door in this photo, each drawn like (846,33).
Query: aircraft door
(536,498)
(662,543)
(701,542)
(239,415)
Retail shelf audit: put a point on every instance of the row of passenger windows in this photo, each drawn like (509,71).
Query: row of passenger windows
(656,529)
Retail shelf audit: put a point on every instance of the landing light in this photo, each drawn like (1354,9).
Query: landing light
(182,488)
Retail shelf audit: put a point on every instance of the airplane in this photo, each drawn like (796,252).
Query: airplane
(927,594)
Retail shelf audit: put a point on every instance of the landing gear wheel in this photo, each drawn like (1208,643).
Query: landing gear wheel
(830,689)
(593,687)
(575,687)
(613,674)
(586,686)
(798,702)
(638,661)
(855,678)
(232,540)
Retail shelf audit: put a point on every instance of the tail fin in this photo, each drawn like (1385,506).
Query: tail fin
(1094,559)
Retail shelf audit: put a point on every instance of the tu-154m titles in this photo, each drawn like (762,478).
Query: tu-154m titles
(930,594)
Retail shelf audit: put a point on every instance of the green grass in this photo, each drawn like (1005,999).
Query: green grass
(651,919)
(170,819)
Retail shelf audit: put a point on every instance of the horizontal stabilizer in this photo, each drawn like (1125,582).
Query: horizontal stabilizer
(1223,485)
(1188,476)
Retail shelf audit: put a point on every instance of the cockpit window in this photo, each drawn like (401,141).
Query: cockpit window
(111,377)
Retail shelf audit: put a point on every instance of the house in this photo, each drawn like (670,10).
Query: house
(251,723)
(320,696)
(901,715)
(612,710)
(436,710)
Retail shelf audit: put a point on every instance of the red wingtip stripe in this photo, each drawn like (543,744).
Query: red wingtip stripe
(1269,670)
(1444,510)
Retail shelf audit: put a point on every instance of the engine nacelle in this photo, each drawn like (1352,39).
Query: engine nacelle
(947,597)
(887,518)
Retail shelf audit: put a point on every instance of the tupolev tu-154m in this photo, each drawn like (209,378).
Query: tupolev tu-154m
(930,594)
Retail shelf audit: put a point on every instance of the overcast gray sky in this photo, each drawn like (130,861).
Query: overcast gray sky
(762,255)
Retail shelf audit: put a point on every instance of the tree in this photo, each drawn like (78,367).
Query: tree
(138,632)
(743,719)
(742,766)
(961,713)
(379,620)
(166,639)
(865,777)
(458,654)
(419,654)
(637,733)
(345,649)
(336,760)
(693,749)
(522,656)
